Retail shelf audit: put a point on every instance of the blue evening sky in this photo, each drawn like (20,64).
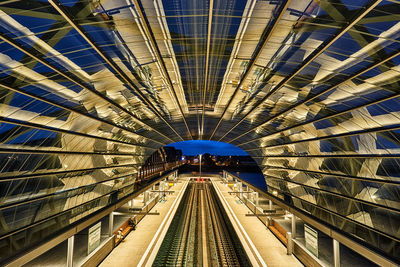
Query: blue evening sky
(196,147)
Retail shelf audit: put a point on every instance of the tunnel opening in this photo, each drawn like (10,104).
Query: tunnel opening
(214,157)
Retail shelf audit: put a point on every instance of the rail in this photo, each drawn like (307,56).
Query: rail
(201,233)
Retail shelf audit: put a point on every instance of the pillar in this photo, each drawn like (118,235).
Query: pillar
(162,188)
(110,223)
(70,251)
(145,196)
(240,188)
(256,198)
(293,226)
(270,204)
(289,246)
(336,253)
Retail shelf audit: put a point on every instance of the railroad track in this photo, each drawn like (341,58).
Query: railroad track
(200,233)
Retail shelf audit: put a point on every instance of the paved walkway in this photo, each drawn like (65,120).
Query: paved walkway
(269,247)
(130,251)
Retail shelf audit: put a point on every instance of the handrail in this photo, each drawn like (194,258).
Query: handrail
(322,226)
(40,248)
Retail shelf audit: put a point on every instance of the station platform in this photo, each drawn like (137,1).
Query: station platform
(272,251)
(140,245)
(260,234)
(131,250)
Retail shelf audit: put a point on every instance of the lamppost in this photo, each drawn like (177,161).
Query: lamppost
(200,164)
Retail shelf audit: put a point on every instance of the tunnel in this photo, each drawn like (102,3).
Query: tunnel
(91,89)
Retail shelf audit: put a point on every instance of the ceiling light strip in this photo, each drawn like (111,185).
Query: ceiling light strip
(63,131)
(306,62)
(18,90)
(210,15)
(318,95)
(40,58)
(268,31)
(340,176)
(112,64)
(153,42)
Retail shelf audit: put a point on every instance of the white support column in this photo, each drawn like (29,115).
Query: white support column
(70,252)
(270,204)
(293,226)
(145,197)
(131,203)
(269,221)
(289,247)
(110,223)
(256,198)
(162,185)
(336,253)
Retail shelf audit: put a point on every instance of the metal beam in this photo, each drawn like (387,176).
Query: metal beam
(210,15)
(351,156)
(18,90)
(153,42)
(307,61)
(377,205)
(59,130)
(267,33)
(58,152)
(327,137)
(9,205)
(345,176)
(60,9)
(291,108)
(52,217)
(136,213)
(335,214)
(41,174)
(40,58)
(81,224)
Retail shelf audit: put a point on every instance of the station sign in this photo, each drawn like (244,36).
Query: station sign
(311,237)
(94,237)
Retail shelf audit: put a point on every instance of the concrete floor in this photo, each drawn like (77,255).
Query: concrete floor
(348,257)
(130,251)
(270,248)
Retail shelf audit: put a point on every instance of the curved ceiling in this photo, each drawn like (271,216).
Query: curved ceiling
(310,89)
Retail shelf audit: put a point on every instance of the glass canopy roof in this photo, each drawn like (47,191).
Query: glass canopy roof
(310,89)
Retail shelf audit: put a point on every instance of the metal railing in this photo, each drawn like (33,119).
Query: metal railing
(318,224)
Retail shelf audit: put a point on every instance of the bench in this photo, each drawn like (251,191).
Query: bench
(126,228)
(279,232)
